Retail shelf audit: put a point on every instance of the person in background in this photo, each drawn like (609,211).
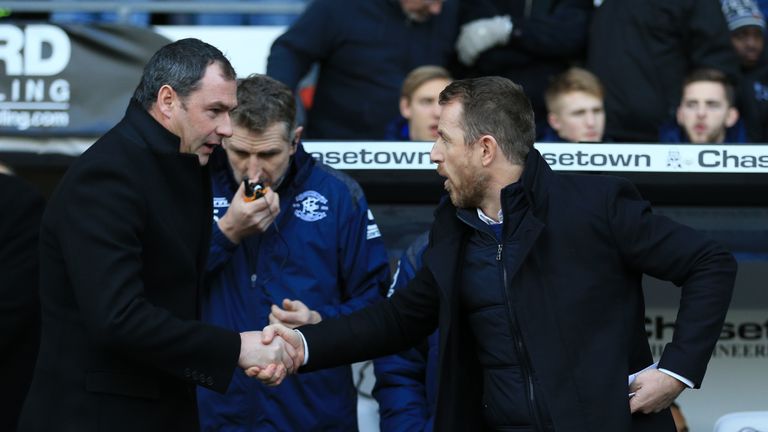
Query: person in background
(532,336)
(707,113)
(747,26)
(308,250)
(364,49)
(406,383)
(419,110)
(527,41)
(123,244)
(575,110)
(642,50)
(22,208)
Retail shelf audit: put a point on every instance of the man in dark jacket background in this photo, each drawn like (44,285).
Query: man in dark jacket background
(534,281)
(527,41)
(364,49)
(123,246)
(642,51)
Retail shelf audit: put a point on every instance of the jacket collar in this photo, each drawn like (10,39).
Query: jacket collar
(157,138)
(535,182)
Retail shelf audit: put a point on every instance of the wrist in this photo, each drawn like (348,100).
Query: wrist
(228,229)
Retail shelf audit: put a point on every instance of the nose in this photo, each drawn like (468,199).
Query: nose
(254,168)
(590,119)
(435,156)
(224,128)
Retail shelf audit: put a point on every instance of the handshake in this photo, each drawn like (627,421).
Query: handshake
(272,354)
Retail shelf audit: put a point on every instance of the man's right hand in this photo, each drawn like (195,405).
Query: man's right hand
(244,218)
(269,361)
(294,350)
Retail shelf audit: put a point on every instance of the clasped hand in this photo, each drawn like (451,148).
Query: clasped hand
(268,360)
(283,354)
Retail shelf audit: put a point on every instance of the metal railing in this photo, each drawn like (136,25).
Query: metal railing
(124,9)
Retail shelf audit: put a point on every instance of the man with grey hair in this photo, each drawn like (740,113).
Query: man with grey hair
(123,245)
(533,336)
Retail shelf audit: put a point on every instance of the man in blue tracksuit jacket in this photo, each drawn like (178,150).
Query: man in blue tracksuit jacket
(309,249)
(406,383)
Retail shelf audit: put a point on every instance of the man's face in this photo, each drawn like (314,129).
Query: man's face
(459,164)
(748,42)
(201,120)
(578,117)
(423,111)
(705,113)
(421,10)
(260,156)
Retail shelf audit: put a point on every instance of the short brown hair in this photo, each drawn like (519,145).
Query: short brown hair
(417,77)
(712,75)
(498,107)
(263,101)
(572,80)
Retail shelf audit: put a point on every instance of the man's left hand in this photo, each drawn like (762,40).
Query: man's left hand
(654,391)
(293,314)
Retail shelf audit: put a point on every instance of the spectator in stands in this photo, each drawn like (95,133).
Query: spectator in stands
(642,50)
(707,113)
(575,110)
(22,208)
(419,110)
(141,19)
(264,18)
(747,26)
(307,250)
(525,41)
(364,50)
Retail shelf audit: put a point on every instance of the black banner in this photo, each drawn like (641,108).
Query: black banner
(58,81)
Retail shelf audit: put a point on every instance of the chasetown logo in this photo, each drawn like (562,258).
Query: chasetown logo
(310,206)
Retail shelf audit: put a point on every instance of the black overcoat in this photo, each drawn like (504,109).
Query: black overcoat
(123,245)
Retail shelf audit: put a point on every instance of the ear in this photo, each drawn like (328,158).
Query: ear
(166,98)
(488,148)
(554,121)
(732,117)
(679,115)
(296,138)
(405,108)
(297,135)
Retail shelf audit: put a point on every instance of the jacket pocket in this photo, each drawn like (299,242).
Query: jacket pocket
(121,384)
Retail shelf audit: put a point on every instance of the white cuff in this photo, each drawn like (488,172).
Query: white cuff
(682,379)
(306,348)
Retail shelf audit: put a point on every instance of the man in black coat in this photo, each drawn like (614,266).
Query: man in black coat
(22,208)
(534,280)
(123,249)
